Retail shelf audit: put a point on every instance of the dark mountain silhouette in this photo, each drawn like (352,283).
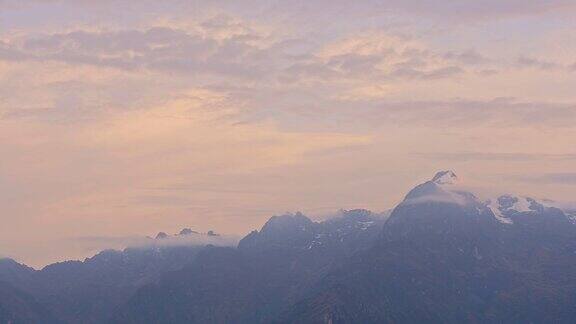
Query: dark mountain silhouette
(15,273)
(254,283)
(441,256)
(18,307)
(88,291)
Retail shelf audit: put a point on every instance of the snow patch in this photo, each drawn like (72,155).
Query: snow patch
(522,205)
(494,206)
(365,225)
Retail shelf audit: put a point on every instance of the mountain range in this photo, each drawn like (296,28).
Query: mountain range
(443,255)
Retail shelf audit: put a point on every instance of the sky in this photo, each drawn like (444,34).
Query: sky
(123,118)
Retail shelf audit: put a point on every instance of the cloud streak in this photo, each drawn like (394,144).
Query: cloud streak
(550,178)
(472,156)
(94,244)
(157,48)
(248,55)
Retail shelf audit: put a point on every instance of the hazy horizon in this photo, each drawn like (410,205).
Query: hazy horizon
(122,119)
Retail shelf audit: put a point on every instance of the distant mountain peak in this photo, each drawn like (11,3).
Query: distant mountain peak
(444,187)
(161,236)
(212,233)
(187,231)
(288,220)
(445,178)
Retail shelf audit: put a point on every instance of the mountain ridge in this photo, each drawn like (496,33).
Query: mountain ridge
(441,255)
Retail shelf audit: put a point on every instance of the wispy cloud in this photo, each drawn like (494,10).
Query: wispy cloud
(529,62)
(158,48)
(472,156)
(549,178)
(93,244)
(457,113)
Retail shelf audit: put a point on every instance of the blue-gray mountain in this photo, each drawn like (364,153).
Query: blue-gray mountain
(441,256)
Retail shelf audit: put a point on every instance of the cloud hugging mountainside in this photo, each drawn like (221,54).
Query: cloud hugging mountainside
(441,256)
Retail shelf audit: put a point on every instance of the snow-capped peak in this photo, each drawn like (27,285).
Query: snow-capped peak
(506,206)
(445,178)
(445,188)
